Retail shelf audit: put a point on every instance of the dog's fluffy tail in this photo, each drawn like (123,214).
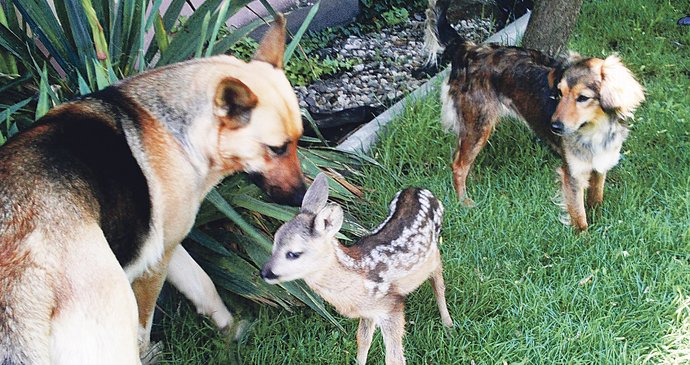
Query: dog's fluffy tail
(438,33)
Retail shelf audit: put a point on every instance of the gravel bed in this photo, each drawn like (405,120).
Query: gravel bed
(382,73)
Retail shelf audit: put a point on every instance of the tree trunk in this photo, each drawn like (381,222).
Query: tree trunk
(550,25)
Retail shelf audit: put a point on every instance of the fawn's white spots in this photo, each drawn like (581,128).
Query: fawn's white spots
(412,246)
(391,209)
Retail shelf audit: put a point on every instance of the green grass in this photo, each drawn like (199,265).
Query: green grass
(523,288)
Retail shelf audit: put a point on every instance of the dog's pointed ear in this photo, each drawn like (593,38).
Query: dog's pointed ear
(620,93)
(316,196)
(272,46)
(233,103)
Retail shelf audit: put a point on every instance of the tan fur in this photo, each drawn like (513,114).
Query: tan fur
(234,149)
(619,89)
(186,126)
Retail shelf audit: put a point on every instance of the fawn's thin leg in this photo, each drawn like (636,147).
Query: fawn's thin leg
(365,333)
(440,292)
(393,329)
(595,194)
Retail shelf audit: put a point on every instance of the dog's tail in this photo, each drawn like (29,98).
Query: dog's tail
(438,33)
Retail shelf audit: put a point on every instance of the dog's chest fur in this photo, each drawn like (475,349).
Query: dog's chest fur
(597,149)
(403,241)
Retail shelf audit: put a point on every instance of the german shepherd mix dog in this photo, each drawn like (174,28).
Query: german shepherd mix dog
(578,106)
(97,195)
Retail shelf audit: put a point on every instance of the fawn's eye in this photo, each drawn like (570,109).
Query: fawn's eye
(279,150)
(292,255)
(582,98)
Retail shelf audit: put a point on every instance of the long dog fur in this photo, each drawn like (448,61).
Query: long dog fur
(578,106)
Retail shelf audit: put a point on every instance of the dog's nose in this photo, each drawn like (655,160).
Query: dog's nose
(557,127)
(295,199)
(267,274)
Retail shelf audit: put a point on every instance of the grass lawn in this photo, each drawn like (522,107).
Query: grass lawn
(523,288)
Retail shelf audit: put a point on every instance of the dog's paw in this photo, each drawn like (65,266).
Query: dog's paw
(581,227)
(152,355)
(467,202)
(237,330)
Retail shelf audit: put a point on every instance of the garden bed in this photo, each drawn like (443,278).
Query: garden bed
(379,68)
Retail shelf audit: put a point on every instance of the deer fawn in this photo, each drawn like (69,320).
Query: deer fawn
(370,279)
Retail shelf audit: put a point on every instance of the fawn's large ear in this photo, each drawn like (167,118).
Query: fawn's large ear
(329,220)
(272,45)
(620,93)
(316,196)
(233,102)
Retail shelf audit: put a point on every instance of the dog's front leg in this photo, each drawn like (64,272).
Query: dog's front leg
(574,197)
(146,289)
(191,280)
(595,193)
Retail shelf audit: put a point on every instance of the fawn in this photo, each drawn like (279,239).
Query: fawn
(370,279)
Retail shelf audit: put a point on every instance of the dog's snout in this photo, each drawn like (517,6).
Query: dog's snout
(267,274)
(291,194)
(557,127)
(295,199)
(291,197)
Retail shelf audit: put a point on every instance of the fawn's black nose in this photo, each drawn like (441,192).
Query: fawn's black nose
(557,127)
(267,274)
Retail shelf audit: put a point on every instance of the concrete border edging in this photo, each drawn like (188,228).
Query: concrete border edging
(365,137)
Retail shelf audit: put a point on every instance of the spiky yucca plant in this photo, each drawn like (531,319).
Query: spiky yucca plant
(52,52)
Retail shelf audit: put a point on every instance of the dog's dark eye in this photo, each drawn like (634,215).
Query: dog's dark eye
(582,98)
(292,255)
(279,150)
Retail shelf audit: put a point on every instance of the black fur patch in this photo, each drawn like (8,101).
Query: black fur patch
(88,156)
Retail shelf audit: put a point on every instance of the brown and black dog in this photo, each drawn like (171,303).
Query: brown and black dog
(97,195)
(578,106)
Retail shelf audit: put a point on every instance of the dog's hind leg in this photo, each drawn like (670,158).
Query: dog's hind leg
(146,289)
(191,280)
(595,193)
(469,147)
(95,319)
(574,197)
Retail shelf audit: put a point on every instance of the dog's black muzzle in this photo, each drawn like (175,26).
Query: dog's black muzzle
(557,128)
(292,197)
